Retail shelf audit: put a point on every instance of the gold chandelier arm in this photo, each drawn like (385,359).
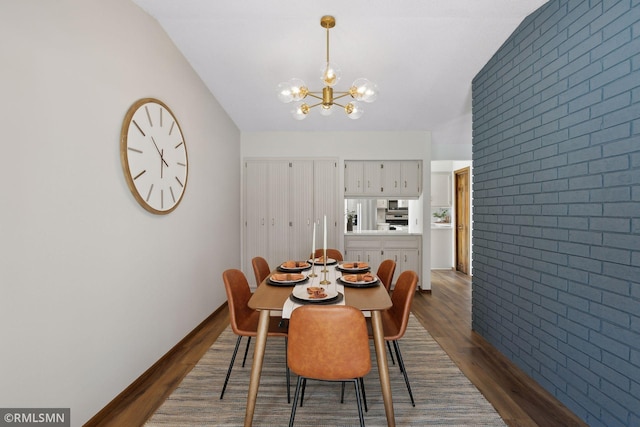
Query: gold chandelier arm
(341,95)
(313,94)
(340,105)
(315,105)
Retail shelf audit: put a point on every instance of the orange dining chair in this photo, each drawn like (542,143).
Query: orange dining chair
(244,320)
(396,318)
(328,343)
(261,269)
(331,253)
(385,272)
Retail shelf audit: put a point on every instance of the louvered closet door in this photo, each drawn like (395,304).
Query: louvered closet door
(256,213)
(326,202)
(278,220)
(301,209)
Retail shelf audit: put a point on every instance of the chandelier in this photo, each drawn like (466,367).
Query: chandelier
(296,90)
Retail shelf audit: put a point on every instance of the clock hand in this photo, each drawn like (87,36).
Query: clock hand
(157,149)
(161,162)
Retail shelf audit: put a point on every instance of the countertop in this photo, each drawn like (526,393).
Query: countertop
(381,233)
(441,225)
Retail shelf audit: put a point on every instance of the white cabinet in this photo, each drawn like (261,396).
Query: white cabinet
(372,178)
(353,178)
(441,248)
(404,250)
(440,189)
(389,178)
(282,199)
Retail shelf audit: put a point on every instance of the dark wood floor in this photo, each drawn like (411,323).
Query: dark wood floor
(445,312)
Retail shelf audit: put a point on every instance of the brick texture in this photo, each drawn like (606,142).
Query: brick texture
(556,162)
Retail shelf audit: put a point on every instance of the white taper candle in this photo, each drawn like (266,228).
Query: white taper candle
(325,234)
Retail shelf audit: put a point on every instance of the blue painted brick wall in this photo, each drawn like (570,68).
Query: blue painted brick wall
(556,155)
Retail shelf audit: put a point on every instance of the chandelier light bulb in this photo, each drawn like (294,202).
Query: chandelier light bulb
(300,112)
(330,74)
(364,90)
(298,89)
(326,110)
(354,110)
(285,93)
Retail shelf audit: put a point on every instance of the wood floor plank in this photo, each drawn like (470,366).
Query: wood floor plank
(445,312)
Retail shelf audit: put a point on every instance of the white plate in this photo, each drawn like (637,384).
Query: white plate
(273,279)
(300,292)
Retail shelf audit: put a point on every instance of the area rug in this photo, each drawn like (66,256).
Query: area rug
(443,395)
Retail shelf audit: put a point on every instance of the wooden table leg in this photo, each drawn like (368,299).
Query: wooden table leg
(383,366)
(256,368)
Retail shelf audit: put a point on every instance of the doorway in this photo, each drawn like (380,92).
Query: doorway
(462,218)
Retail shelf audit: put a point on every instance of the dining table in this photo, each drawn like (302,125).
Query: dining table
(272,297)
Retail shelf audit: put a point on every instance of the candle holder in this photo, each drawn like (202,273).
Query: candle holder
(313,266)
(325,271)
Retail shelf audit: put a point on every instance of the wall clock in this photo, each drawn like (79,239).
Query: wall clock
(154,156)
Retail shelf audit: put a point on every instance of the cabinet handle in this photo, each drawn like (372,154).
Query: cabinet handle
(358,183)
(273,221)
(262,221)
(368,184)
(405,184)
(368,258)
(405,258)
(395,184)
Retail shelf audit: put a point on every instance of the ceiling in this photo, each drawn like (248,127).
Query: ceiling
(423,55)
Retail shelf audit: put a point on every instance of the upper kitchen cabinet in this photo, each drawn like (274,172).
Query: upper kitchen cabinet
(391,178)
(441,189)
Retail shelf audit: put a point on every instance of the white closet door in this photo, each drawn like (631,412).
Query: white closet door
(301,209)
(278,219)
(326,194)
(256,214)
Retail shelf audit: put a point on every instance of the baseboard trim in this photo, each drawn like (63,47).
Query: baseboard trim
(181,356)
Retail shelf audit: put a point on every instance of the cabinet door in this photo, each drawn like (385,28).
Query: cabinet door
(353,178)
(373,178)
(278,219)
(256,213)
(301,202)
(391,178)
(411,178)
(374,258)
(354,255)
(441,189)
(411,260)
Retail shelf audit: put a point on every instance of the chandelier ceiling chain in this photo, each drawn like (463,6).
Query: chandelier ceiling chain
(296,90)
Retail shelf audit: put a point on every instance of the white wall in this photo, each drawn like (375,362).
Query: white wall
(351,146)
(93,288)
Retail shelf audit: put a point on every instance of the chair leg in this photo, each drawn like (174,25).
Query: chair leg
(342,393)
(246,351)
(233,358)
(364,395)
(286,362)
(359,402)
(396,345)
(390,353)
(304,385)
(300,383)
